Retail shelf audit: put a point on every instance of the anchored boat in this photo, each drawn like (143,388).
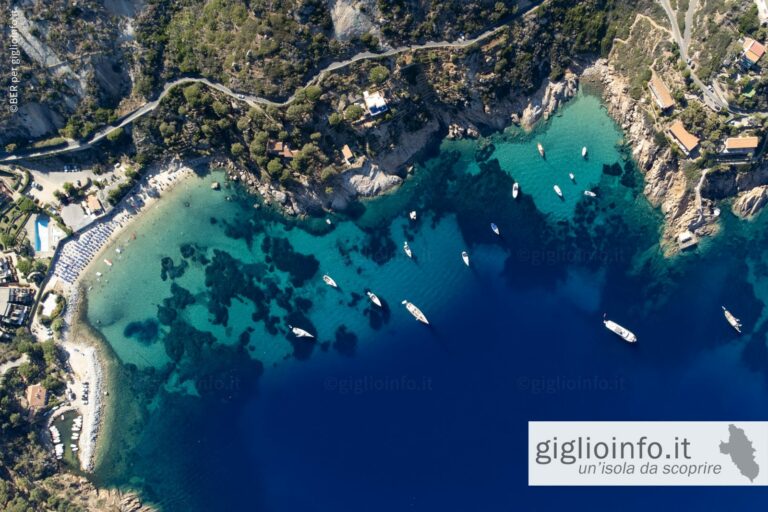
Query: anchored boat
(374,298)
(558,191)
(573,178)
(735,322)
(300,333)
(465,257)
(541,149)
(495,228)
(584,152)
(412,215)
(589,193)
(407,250)
(515,190)
(625,333)
(416,312)
(329,281)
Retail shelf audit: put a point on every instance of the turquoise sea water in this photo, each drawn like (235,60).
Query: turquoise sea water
(382,413)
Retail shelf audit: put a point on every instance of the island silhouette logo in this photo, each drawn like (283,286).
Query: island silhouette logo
(740,449)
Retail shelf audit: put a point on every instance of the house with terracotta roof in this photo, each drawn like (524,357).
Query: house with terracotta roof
(281,149)
(686,141)
(660,93)
(753,51)
(348,155)
(740,146)
(37,397)
(93,204)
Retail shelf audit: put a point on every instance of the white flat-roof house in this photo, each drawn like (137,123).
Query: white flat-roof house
(375,103)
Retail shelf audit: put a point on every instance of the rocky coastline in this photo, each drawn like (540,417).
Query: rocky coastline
(686,206)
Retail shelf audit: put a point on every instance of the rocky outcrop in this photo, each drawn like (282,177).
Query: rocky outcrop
(407,145)
(369,180)
(550,97)
(666,186)
(749,203)
(351,18)
(80,492)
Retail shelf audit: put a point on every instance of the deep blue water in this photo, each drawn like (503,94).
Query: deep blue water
(434,418)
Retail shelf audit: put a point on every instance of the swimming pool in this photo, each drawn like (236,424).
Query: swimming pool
(42,241)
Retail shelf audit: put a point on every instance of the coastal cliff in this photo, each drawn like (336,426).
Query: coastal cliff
(666,186)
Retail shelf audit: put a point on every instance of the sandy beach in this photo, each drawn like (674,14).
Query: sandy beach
(74,259)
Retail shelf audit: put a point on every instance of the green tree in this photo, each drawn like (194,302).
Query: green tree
(353,113)
(115,135)
(334,119)
(274,167)
(237,149)
(313,93)
(378,74)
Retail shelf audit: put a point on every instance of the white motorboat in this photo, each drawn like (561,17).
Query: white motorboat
(584,152)
(541,149)
(515,190)
(465,257)
(328,221)
(329,281)
(407,250)
(412,215)
(416,312)
(625,333)
(495,228)
(300,333)
(108,262)
(735,322)
(589,193)
(570,175)
(558,191)
(374,298)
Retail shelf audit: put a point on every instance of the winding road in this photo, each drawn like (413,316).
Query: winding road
(251,100)
(711,98)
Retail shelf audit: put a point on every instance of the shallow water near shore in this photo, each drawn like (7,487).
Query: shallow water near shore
(382,413)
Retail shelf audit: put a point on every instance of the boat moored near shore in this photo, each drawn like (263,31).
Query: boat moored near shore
(407,250)
(300,333)
(416,312)
(329,281)
(372,296)
(541,150)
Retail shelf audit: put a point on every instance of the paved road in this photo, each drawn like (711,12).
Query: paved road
(251,100)
(711,99)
